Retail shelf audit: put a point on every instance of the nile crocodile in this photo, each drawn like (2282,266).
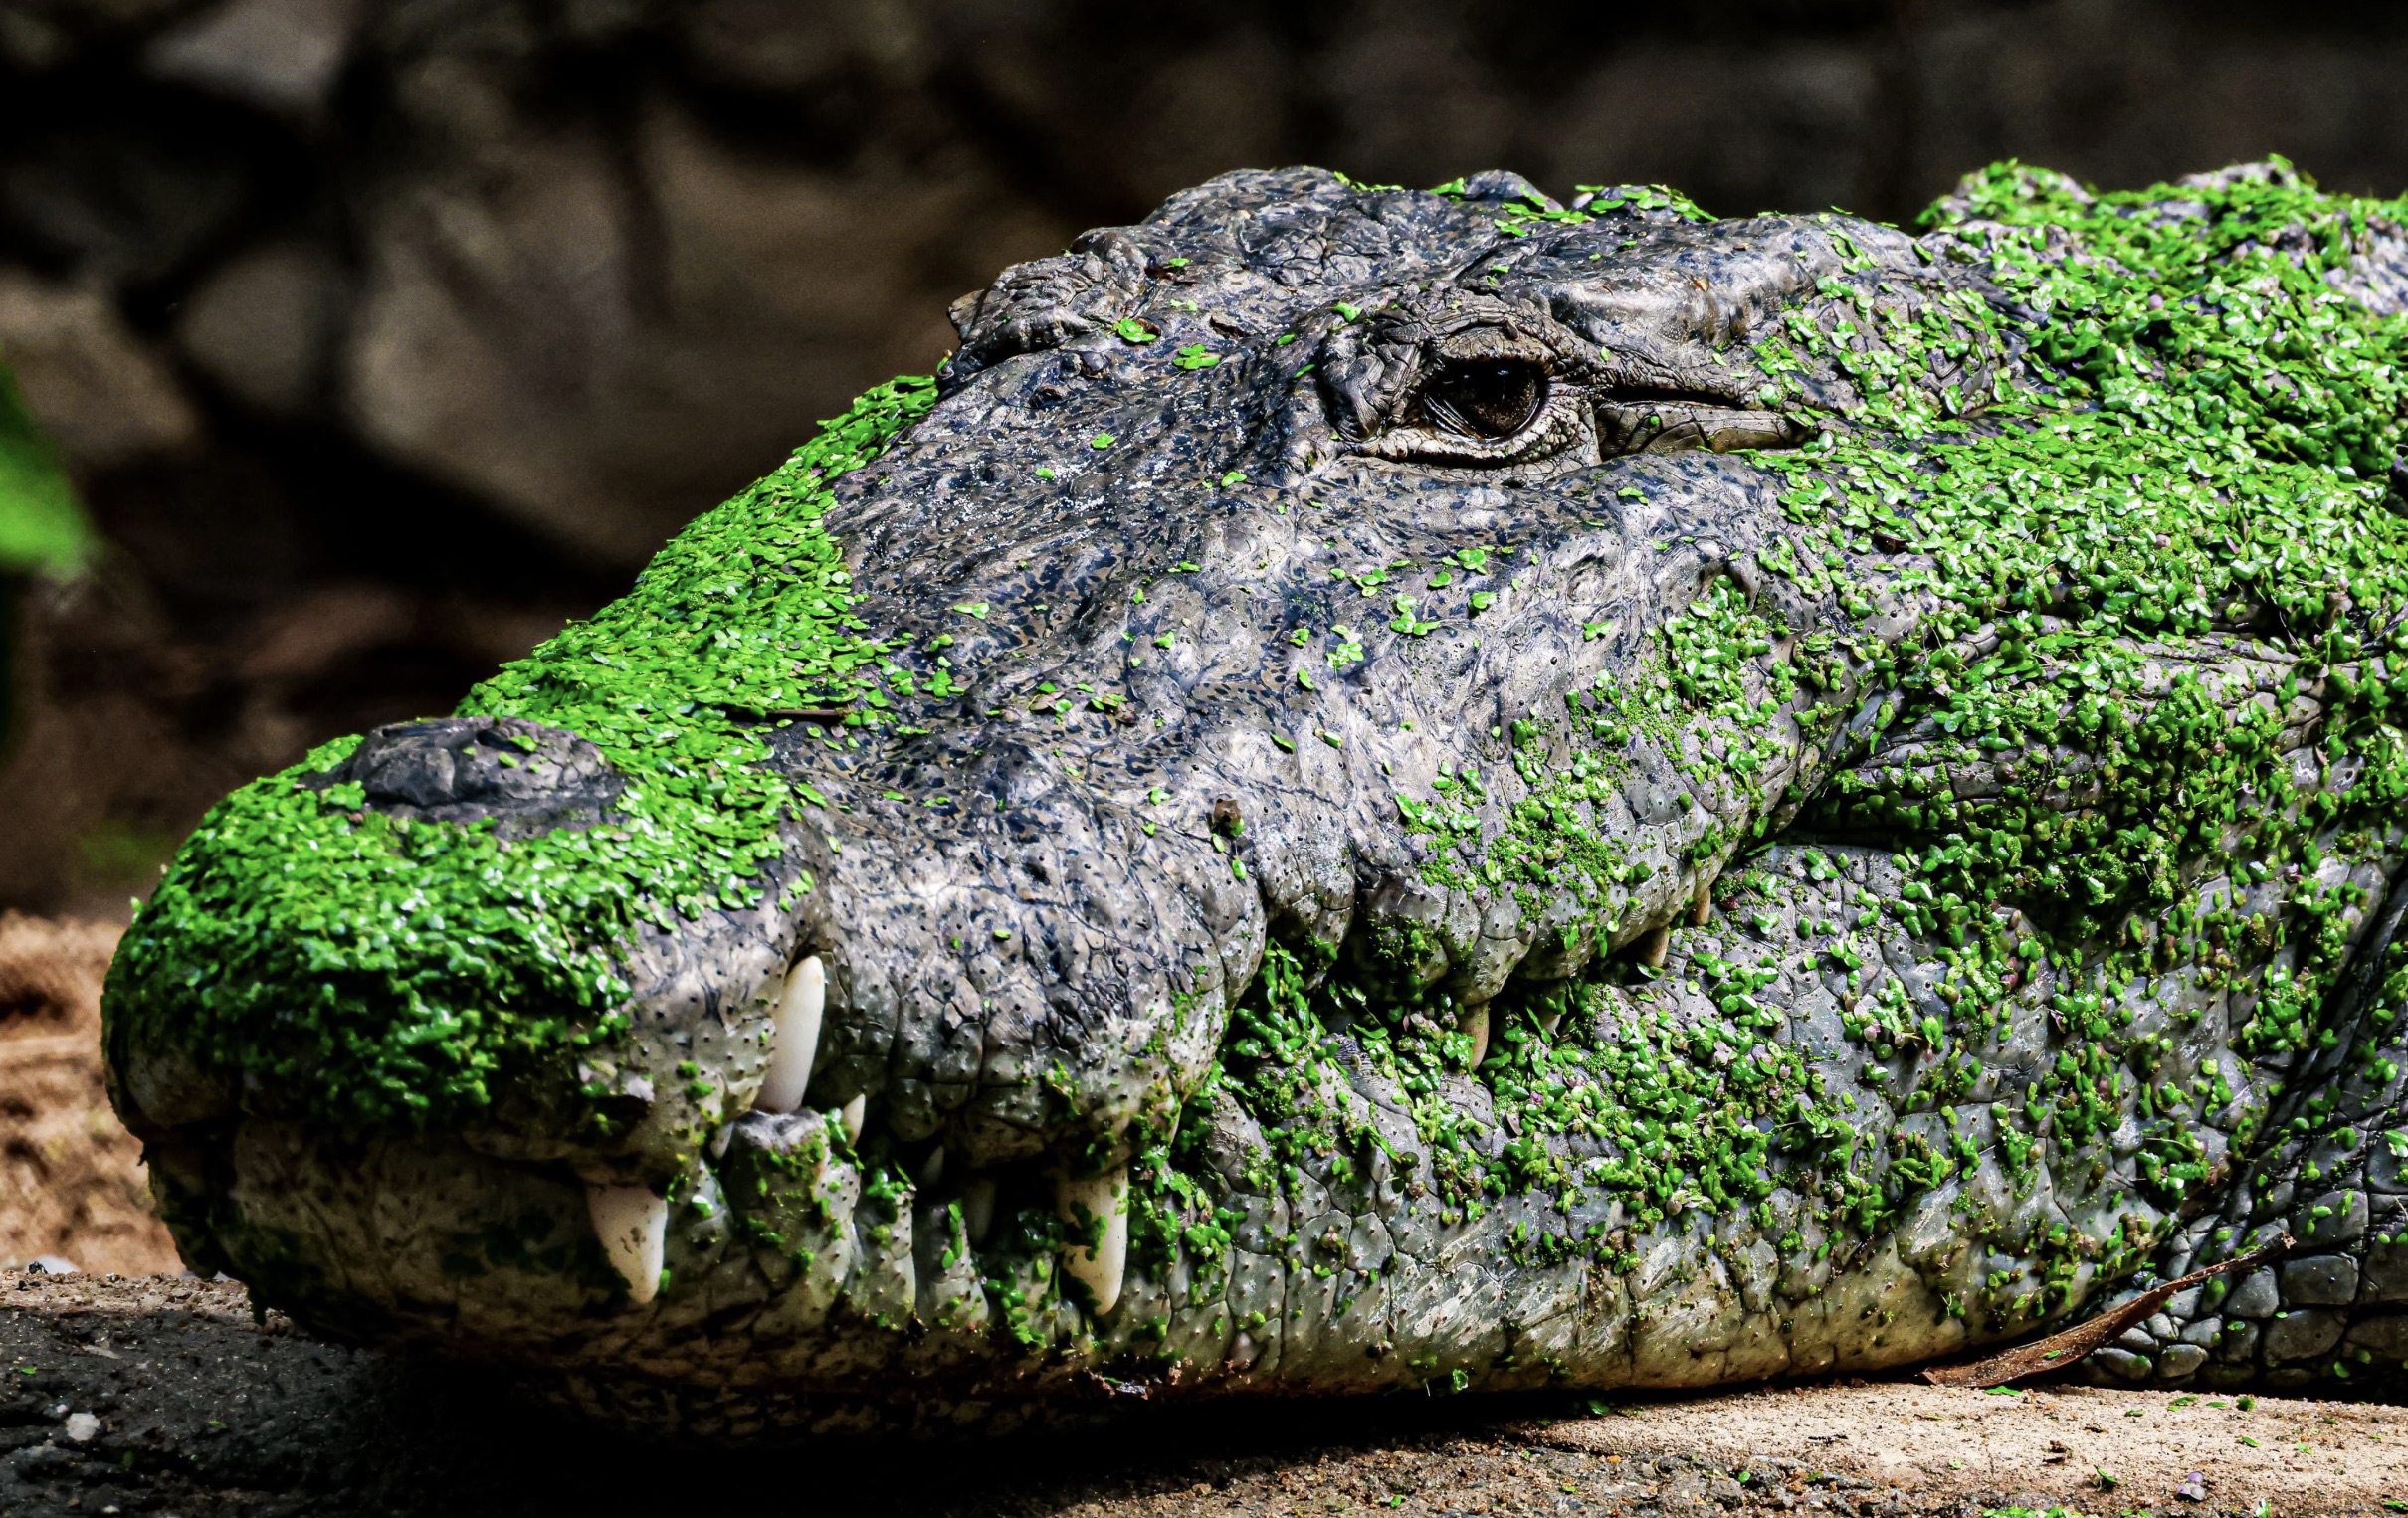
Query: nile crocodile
(1396,789)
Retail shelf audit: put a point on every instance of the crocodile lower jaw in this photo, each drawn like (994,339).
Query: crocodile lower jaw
(821,1293)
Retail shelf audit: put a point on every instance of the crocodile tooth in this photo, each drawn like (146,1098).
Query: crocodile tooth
(633,1226)
(1654,947)
(1101,1266)
(931,1169)
(978,1207)
(1474,1021)
(794,1037)
(855,1113)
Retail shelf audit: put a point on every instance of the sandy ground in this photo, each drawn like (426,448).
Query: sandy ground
(2093,1446)
(71,1178)
(158,1397)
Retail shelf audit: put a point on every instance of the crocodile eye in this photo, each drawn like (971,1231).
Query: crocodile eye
(1491,398)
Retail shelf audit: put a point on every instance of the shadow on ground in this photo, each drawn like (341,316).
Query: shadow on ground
(158,1397)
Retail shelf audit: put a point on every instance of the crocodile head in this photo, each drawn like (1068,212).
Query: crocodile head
(1310,597)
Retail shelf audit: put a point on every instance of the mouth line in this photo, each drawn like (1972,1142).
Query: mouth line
(782,1135)
(790,1218)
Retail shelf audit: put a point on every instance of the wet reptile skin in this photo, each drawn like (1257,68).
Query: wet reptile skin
(1243,523)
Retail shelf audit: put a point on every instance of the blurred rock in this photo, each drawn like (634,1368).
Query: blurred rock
(478,301)
(100,392)
(259,326)
(455,72)
(494,323)
(278,54)
(43,34)
(1201,114)
(1806,103)
(596,356)
(1407,91)
(789,45)
(31,42)
(116,201)
(316,633)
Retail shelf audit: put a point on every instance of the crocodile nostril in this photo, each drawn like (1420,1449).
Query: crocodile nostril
(418,774)
(524,775)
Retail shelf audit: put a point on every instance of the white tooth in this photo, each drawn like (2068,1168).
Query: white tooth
(1654,948)
(932,1169)
(794,1037)
(1474,1021)
(978,1207)
(1101,1268)
(633,1226)
(1700,910)
(855,1112)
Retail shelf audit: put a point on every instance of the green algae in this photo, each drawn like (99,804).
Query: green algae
(2191,449)
(376,971)
(2197,475)
(2129,561)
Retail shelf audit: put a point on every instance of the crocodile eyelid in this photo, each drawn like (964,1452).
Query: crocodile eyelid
(1662,425)
(1561,423)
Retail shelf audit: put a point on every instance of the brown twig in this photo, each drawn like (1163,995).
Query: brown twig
(2075,1344)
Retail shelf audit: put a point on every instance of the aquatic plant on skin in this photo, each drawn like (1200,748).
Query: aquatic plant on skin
(2217,430)
(672,710)
(2199,440)
(744,613)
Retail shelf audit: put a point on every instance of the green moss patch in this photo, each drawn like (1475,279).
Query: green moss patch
(382,971)
(2129,565)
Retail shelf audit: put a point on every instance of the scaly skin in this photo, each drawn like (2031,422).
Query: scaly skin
(1590,798)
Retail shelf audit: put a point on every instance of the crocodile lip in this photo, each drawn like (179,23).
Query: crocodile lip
(1020,969)
(426,1240)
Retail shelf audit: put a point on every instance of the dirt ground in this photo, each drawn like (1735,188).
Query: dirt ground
(71,1178)
(147,1392)
(159,1396)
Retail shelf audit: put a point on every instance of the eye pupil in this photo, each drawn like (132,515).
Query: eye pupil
(1488,399)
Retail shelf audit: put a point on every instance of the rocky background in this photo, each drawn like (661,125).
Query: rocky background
(386,334)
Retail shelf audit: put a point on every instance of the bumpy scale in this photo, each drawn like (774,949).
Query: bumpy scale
(1379,788)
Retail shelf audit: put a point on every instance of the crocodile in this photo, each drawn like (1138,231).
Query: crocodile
(1385,789)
